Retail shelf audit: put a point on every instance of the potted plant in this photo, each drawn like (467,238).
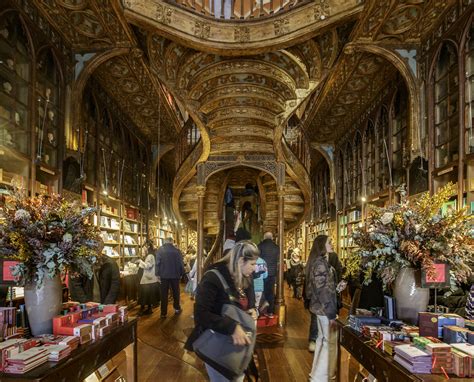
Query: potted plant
(410,236)
(48,236)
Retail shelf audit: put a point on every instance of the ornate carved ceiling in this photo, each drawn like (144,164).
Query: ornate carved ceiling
(251,75)
(251,37)
(357,77)
(242,100)
(94,26)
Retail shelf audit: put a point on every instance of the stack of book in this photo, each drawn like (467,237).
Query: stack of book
(463,360)
(389,346)
(6,348)
(413,359)
(58,352)
(441,358)
(50,339)
(455,334)
(357,322)
(22,362)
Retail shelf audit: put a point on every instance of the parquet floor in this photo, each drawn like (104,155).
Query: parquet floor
(161,356)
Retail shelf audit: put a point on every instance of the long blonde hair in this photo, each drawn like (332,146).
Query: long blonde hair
(245,250)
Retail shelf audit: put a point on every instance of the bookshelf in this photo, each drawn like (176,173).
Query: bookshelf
(132,234)
(348,222)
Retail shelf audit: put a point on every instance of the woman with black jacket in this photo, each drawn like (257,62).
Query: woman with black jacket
(236,268)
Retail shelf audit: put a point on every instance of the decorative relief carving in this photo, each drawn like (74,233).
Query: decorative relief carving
(281,26)
(202,29)
(321,10)
(163,14)
(242,34)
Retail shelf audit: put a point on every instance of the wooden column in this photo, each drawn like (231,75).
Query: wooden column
(201,192)
(280,296)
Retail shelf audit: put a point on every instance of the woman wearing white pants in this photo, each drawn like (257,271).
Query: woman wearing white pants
(321,290)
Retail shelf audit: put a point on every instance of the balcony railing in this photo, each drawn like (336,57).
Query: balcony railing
(238,9)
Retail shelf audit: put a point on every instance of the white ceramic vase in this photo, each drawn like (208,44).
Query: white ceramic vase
(43,304)
(409,297)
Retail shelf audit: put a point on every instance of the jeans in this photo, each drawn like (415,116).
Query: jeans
(325,354)
(215,376)
(269,292)
(313,328)
(165,285)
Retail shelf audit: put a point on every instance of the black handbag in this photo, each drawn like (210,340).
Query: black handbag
(218,350)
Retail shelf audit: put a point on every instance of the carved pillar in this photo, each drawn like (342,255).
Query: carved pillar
(280,296)
(201,192)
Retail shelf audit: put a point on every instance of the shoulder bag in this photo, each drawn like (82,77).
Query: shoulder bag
(218,350)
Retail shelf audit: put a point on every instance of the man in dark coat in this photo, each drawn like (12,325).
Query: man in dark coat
(270,252)
(103,287)
(169,268)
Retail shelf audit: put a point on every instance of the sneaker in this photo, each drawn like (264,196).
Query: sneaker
(178,311)
(312,346)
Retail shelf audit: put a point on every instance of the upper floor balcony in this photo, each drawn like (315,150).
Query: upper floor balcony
(238,9)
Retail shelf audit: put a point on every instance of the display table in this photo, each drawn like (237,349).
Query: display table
(84,360)
(376,362)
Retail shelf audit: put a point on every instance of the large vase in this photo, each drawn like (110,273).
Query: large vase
(410,299)
(43,304)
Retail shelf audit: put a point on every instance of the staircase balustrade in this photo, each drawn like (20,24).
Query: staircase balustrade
(188,138)
(296,141)
(238,9)
(216,251)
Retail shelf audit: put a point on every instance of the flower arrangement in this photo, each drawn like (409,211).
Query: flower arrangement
(414,234)
(47,235)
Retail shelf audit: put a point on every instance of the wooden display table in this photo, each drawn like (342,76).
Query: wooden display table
(84,360)
(376,362)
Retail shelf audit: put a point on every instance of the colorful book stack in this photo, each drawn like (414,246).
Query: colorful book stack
(463,360)
(455,334)
(441,358)
(389,346)
(413,359)
(22,362)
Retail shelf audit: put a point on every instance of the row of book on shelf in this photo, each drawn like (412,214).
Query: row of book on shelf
(440,344)
(78,325)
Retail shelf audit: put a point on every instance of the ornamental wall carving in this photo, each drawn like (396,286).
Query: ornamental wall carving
(231,38)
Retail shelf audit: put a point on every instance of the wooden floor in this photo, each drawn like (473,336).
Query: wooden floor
(161,356)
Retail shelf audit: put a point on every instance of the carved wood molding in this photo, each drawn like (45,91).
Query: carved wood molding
(217,163)
(385,27)
(237,38)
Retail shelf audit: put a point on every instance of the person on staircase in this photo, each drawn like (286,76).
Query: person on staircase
(169,268)
(321,291)
(270,252)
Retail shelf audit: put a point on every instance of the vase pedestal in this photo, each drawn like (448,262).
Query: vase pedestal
(43,304)
(410,299)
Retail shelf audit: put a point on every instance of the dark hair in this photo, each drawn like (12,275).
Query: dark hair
(318,249)
(242,234)
(319,246)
